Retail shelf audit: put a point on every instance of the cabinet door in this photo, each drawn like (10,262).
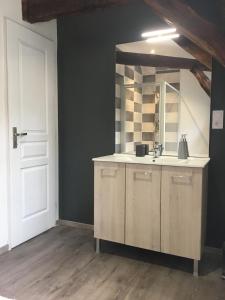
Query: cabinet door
(109,201)
(181,211)
(143,206)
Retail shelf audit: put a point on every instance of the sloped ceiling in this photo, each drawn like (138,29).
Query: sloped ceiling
(192,23)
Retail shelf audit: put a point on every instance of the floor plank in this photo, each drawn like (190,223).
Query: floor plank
(62,264)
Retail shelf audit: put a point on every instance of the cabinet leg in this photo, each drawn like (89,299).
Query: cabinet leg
(196,268)
(98,246)
(223,263)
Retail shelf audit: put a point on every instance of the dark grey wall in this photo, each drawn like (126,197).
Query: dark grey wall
(216,192)
(86,62)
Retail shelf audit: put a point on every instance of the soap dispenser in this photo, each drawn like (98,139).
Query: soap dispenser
(183,152)
(186,146)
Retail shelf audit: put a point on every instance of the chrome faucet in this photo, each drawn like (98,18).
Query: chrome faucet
(157,150)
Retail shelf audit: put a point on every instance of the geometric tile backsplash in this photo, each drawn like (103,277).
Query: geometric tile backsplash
(137,107)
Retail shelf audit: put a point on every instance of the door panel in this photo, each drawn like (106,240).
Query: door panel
(181,211)
(109,210)
(31,150)
(35,200)
(143,206)
(33,88)
(32,107)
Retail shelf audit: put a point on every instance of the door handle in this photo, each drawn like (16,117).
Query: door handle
(16,135)
(22,134)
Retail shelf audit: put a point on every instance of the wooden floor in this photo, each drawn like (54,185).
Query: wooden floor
(62,264)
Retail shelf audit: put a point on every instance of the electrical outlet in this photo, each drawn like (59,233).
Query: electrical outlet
(217,119)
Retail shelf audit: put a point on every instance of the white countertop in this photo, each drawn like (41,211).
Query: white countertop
(191,162)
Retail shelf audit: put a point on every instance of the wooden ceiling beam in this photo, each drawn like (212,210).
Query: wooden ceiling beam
(203,80)
(199,33)
(45,10)
(153,60)
(198,53)
(190,24)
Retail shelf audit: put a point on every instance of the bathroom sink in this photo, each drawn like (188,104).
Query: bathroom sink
(172,160)
(149,159)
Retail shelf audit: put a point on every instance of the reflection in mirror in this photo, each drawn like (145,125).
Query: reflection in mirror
(155,105)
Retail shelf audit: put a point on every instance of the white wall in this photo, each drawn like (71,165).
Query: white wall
(194,114)
(11,9)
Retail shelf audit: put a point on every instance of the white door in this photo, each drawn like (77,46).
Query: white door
(31,62)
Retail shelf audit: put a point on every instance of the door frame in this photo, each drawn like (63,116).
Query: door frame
(9,134)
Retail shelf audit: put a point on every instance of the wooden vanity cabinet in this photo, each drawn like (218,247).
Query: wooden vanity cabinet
(109,204)
(161,208)
(142,226)
(183,211)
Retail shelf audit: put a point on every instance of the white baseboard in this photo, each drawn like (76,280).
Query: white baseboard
(4,249)
(75,224)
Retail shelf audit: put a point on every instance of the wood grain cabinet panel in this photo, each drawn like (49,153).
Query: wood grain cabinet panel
(109,204)
(160,208)
(182,211)
(143,206)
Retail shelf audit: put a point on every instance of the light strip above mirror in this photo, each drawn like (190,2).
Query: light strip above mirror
(162,38)
(157,33)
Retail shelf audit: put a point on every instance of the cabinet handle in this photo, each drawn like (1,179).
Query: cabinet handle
(143,175)
(182,179)
(108,172)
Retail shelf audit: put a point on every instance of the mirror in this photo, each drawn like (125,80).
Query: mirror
(156,104)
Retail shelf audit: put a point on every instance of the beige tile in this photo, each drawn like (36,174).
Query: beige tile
(129,94)
(129,105)
(127,80)
(148,108)
(120,69)
(129,147)
(129,126)
(171,117)
(148,127)
(172,98)
(137,117)
(137,97)
(137,136)
(137,77)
